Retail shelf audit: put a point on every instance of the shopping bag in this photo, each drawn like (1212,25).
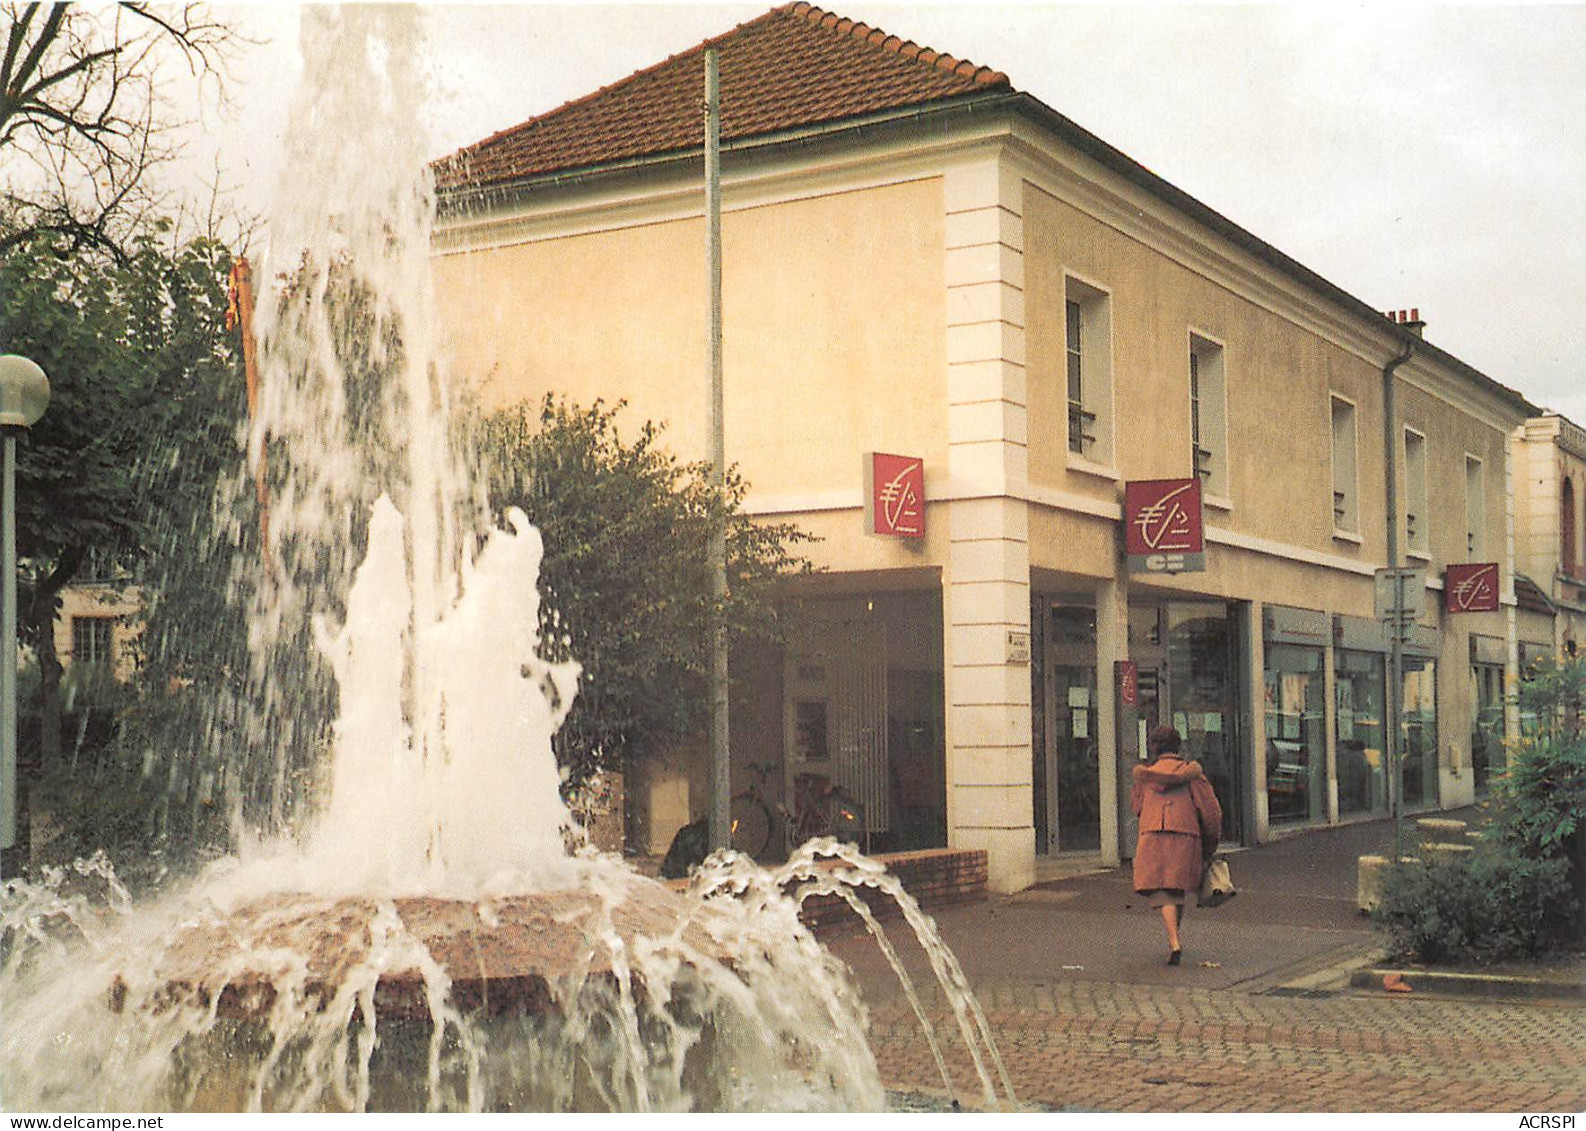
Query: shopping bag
(1217,884)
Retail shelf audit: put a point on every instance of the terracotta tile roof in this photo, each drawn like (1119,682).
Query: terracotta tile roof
(797,65)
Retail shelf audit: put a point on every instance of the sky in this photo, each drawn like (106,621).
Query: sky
(1416,155)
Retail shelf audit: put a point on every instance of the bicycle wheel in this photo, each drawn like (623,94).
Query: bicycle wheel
(751,825)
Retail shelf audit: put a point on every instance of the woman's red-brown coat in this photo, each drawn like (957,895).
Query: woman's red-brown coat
(1180,824)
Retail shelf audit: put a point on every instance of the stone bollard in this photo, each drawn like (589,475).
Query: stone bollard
(1439,825)
(1446,851)
(1368,882)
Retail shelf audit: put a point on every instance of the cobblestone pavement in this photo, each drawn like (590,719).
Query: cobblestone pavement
(1131,1048)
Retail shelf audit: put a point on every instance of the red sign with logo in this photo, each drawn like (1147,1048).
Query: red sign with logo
(1128,683)
(1163,530)
(1471,587)
(894,495)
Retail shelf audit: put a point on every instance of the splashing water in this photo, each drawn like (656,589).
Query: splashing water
(425,942)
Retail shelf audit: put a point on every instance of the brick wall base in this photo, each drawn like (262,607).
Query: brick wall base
(936,877)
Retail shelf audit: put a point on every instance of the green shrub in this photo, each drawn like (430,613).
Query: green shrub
(1541,794)
(1493,904)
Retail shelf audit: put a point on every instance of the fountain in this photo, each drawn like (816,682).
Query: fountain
(425,940)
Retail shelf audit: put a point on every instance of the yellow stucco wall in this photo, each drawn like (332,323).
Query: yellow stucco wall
(1450,435)
(1279,380)
(832,330)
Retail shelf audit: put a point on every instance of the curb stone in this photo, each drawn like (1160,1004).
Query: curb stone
(1469,985)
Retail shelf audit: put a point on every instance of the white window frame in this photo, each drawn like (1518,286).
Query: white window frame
(1096,374)
(1213,405)
(1417,516)
(1345,512)
(1475,547)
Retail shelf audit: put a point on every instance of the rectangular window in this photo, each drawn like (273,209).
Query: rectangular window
(1088,357)
(1475,510)
(1346,503)
(1208,399)
(1417,539)
(1296,733)
(1079,420)
(91,643)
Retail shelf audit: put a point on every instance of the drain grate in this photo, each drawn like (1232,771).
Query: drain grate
(1301,992)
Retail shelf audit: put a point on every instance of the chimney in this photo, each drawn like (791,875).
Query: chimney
(1409,319)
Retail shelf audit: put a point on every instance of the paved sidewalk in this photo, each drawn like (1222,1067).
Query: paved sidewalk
(1260,1017)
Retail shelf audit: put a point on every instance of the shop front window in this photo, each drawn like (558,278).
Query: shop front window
(1486,735)
(1296,734)
(1418,733)
(1359,687)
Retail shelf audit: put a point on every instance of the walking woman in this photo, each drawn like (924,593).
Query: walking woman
(1180,824)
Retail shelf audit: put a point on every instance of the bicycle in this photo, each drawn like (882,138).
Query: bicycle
(820,808)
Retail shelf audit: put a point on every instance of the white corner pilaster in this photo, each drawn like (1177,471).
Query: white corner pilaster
(986,585)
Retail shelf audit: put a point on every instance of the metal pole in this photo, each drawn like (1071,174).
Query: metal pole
(8,643)
(1397,622)
(720,823)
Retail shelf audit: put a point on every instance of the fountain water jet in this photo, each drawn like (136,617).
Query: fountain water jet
(423,940)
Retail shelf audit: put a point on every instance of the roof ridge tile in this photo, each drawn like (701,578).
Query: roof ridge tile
(866,32)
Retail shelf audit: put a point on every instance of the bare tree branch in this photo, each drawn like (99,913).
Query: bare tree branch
(84,114)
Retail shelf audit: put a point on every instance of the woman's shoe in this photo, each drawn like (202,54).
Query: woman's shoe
(1174,955)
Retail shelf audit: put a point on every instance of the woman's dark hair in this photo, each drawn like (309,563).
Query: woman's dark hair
(1162,740)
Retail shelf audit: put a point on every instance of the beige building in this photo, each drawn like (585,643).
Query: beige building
(1550,551)
(921,260)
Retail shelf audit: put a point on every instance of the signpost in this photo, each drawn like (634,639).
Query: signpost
(1401,599)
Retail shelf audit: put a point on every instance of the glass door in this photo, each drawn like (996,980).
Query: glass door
(1078,785)
(1202,697)
(1486,735)
(1073,781)
(1359,683)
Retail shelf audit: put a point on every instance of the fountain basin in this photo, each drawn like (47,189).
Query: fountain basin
(500,955)
(620,996)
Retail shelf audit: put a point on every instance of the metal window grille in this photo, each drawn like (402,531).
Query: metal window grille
(1080,436)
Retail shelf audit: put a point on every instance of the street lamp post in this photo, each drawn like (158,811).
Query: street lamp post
(24,395)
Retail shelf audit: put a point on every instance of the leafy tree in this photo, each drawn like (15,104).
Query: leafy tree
(145,399)
(84,117)
(625,582)
(1542,791)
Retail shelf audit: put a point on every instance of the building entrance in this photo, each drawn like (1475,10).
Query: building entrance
(1068,794)
(1186,658)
